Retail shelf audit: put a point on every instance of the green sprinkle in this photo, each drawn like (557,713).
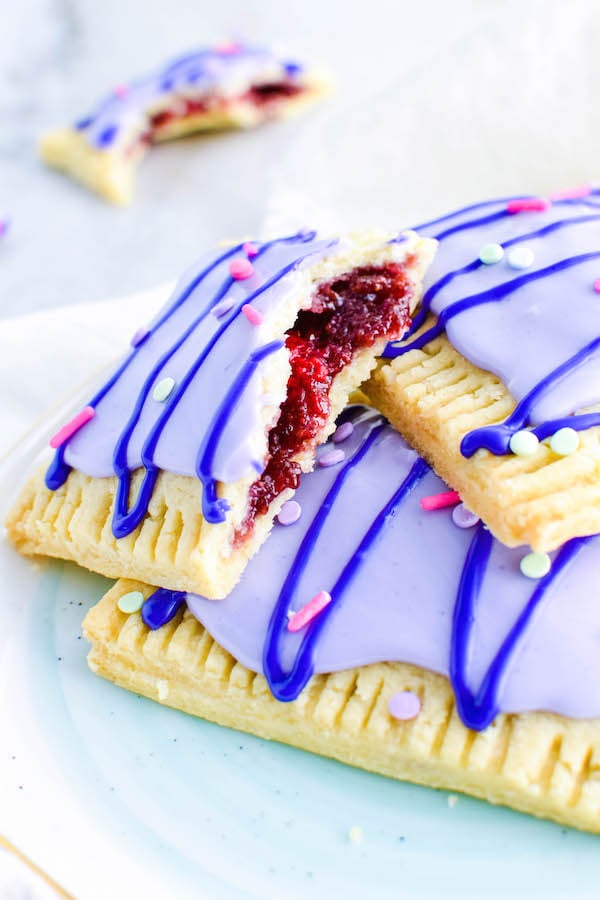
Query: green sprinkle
(163,389)
(523,443)
(131,602)
(564,441)
(535,565)
(491,253)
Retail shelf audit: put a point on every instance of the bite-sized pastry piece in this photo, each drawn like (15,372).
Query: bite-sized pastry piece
(387,661)
(174,471)
(498,382)
(231,86)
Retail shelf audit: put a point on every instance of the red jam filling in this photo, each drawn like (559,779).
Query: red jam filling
(347,315)
(261,95)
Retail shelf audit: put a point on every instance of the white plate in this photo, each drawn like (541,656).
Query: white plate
(116,796)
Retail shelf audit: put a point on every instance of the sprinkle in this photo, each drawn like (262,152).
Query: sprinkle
(533,204)
(463,517)
(230,48)
(355,834)
(331,458)
(241,268)
(491,253)
(223,307)
(292,68)
(342,432)
(597,285)
(289,513)
(252,314)
(404,705)
(308,612)
(574,193)
(452,800)
(4,223)
(107,136)
(520,257)
(139,337)
(68,430)
(440,501)
(121,90)
(163,389)
(523,443)
(564,441)
(535,565)
(131,602)
(251,250)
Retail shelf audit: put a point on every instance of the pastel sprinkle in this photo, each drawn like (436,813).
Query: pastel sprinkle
(308,612)
(140,336)
(252,314)
(523,443)
(163,389)
(251,250)
(491,253)
(230,48)
(533,204)
(404,705)
(342,432)
(241,268)
(4,223)
(564,441)
(597,285)
(331,458)
(440,501)
(520,257)
(463,517)
(355,834)
(131,602)
(574,193)
(121,90)
(68,430)
(222,308)
(452,800)
(535,565)
(289,513)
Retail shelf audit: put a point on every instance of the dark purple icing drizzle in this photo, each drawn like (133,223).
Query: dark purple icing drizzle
(478,710)
(161,606)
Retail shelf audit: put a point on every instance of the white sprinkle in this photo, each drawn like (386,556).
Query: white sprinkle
(452,800)
(355,834)
(520,257)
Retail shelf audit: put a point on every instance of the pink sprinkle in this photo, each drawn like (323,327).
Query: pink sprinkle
(289,513)
(241,268)
(331,458)
(534,204)
(251,250)
(342,432)
(404,705)
(253,315)
(574,193)
(308,612)
(68,430)
(139,337)
(121,90)
(597,285)
(230,48)
(440,501)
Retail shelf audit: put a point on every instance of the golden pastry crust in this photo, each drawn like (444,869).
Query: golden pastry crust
(435,396)
(110,173)
(537,763)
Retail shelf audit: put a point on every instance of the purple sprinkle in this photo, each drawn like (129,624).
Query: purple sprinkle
(292,68)
(404,705)
(106,137)
(222,308)
(139,337)
(331,458)
(256,464)
(463,517)
(343,432)
(82,124)
(289,513)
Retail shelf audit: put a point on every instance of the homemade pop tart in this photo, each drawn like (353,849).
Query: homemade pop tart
(405,641)
(174,471)
(497,383)
(234,85)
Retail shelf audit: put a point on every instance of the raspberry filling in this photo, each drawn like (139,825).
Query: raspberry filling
(260,95)
(348,314)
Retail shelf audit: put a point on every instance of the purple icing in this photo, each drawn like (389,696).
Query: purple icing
(224,73)
(399,607)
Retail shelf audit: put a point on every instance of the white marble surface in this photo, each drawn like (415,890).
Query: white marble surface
(436,58)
